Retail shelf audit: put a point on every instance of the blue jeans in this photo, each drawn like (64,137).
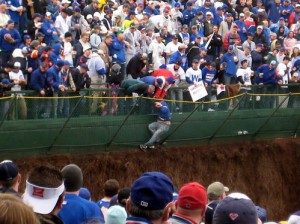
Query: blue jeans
(158,129)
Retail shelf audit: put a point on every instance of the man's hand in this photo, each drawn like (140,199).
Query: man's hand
(61,88)
(42,92)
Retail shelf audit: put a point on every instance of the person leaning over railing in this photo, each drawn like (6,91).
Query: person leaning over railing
(180,81)
(63,109)
(38,82)
(244,74)
(266,75)
(5,85)
(81,80)
(55,82)
(208,76)
(16,75)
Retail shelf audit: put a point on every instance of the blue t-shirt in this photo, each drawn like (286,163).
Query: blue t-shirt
(76,210)
(101,203)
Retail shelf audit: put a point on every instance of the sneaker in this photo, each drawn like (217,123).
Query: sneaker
(143,148)
(151,146)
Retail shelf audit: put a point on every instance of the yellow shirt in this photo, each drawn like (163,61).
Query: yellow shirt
(126,23)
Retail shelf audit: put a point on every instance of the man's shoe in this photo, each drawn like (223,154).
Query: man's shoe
(143,148)
(151,146)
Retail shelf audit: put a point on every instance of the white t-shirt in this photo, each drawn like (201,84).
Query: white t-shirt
(194,75)
(68,48)
(246,76)
(171,48)
(281,68)
(179,73)
(16,76)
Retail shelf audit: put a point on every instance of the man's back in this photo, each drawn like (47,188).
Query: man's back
(78,210)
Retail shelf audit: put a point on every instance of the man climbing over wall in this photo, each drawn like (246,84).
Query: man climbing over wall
(159,127)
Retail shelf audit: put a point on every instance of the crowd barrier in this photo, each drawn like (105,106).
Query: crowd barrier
(102,119)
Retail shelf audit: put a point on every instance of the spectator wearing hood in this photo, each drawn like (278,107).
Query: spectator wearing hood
(56,53)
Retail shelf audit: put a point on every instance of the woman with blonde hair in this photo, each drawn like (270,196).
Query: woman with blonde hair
(3,16)
(14,211)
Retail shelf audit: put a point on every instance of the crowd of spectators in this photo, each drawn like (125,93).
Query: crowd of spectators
(54,196)
(58,48)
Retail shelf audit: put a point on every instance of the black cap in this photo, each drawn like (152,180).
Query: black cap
(8,170)
(195,61)
(68,34)
(175,36)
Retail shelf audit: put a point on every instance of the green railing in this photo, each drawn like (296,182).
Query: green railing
(99,119)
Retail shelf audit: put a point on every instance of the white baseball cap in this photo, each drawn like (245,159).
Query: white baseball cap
(97,14)
(42,199)
(17,64)
(65,2)
(89,16)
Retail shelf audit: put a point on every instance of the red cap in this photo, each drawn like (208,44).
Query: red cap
(235,26)
(192,196)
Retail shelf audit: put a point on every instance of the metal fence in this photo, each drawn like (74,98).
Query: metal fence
(98,117)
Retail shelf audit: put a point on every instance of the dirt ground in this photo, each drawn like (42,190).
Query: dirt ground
(268,172)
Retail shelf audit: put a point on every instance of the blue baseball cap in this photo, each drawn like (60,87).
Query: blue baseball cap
(163,66)
(77,9)
(177,4)
(170,80)
(152,191)
(10,21)
(6,82)
(224,6)
(67,63)
(85,193)
(160,82)
(189,4)
(230,47)
(59,63)
(259,45)
(262,213)
(131,13)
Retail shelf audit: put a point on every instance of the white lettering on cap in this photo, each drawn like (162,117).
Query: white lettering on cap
(144,204)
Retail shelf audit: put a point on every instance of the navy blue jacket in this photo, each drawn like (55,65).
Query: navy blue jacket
(54,78)
(38,80)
